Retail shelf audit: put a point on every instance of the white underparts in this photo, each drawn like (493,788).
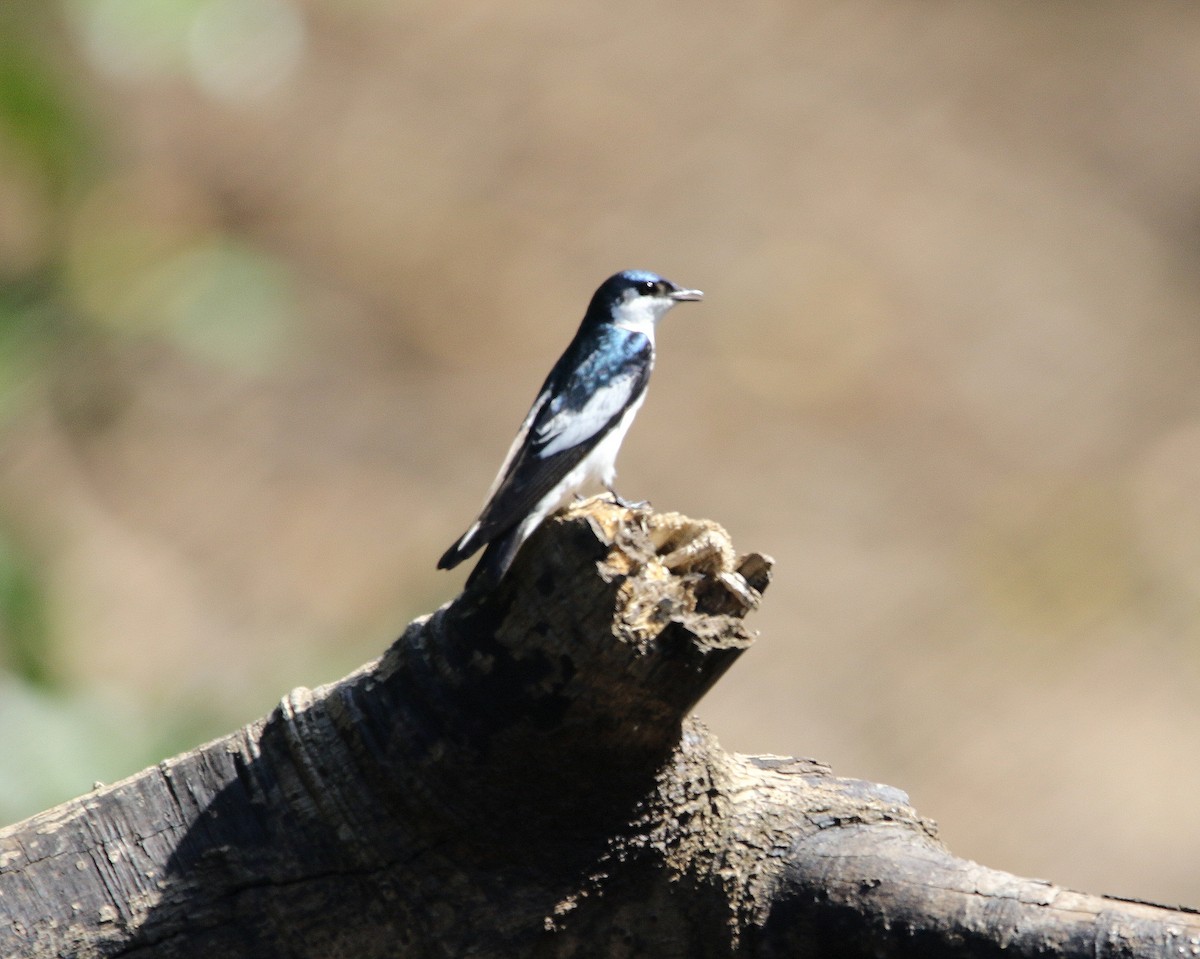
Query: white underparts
(598,467)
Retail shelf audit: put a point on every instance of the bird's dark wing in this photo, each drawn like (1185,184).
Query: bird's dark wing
(584,397)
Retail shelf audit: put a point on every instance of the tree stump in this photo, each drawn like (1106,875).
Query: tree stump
(518,775)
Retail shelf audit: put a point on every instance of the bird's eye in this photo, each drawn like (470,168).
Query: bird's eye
(647,287)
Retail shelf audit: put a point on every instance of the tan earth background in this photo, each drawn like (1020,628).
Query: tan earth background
(278,280)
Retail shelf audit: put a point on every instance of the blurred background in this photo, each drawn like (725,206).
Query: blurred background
(279,279)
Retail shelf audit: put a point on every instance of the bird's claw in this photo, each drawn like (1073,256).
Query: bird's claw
(627,504)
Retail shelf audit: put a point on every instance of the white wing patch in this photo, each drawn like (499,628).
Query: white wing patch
(571,427)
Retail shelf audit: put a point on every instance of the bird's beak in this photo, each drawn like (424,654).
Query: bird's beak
(680,295)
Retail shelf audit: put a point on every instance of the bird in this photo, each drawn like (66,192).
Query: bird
(571,435)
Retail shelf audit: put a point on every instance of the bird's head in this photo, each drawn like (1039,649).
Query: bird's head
(636,300)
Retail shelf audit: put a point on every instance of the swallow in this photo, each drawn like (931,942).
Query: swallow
(571,435)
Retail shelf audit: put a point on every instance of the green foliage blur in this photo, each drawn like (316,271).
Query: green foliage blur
(79,302)
(44,156)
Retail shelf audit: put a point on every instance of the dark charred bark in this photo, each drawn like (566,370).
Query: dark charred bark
(517,775)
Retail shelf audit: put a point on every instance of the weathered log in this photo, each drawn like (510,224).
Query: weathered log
(517,775)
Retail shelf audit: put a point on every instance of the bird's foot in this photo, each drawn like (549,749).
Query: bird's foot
(624,503)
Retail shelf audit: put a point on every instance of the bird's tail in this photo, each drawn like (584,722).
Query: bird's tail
(495,561)
(465,547)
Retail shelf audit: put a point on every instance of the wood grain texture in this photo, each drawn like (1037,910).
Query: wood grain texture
(518,775)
